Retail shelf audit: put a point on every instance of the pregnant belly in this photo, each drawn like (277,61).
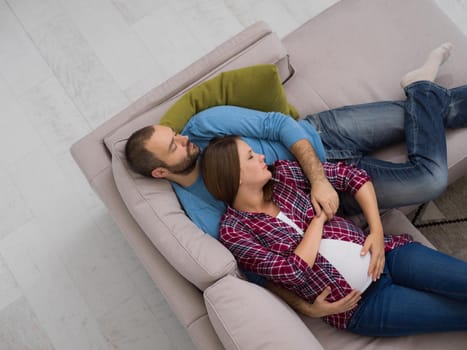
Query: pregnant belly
(346,258)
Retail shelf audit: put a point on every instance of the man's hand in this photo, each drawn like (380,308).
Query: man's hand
(324,197)
(321,307)
(375,244)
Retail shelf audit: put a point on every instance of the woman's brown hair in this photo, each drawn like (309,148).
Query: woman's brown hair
(220,167)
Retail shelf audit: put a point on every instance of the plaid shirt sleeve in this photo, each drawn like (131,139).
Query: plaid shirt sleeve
(343,177)
(253,256)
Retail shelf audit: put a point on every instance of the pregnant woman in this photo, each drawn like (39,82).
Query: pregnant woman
(271,228)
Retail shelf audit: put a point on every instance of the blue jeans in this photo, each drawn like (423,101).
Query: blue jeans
(352,133)
(421,290)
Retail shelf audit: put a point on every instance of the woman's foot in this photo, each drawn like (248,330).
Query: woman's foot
(429,69)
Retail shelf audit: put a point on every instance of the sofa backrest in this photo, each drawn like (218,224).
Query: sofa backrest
(152,203)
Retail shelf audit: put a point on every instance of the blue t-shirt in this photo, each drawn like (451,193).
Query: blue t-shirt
(201,206)
(268,133)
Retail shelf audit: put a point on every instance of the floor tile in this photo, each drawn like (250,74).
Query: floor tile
(14,210)
(20,63)
(133,326)
(112,39)
(20,328)
(9,289)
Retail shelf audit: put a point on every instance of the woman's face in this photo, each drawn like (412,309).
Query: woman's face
(253,169)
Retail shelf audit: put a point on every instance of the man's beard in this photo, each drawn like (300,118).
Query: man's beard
(187,166)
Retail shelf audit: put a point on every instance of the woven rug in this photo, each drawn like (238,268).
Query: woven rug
(444,221)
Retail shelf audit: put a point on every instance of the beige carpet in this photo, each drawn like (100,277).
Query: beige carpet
(450,206)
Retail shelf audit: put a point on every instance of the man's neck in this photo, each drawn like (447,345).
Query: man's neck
(186,179)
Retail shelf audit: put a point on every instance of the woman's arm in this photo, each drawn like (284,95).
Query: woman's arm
(308,248)
(320,307)
(251,255)
(374,243)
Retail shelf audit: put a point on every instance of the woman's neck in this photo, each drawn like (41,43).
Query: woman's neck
(253,201)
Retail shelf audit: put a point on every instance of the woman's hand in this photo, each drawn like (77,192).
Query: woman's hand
(320,218)
(321,307)
(375,244)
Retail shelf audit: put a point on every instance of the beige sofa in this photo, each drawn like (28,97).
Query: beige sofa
(354,52)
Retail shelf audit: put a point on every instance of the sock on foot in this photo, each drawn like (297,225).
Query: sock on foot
(429,70)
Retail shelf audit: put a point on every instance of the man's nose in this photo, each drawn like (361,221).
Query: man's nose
(183,140)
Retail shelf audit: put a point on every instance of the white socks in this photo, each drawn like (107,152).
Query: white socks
(429,69)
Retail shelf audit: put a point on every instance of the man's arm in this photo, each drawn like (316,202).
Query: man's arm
(320,307)
(323,194)
(270,126)
(233,120)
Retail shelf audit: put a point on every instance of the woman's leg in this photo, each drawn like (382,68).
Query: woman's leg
(420,291)
(417,266)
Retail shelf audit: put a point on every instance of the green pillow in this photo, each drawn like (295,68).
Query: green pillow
(256,87)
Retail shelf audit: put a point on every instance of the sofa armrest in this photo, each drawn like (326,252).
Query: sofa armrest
(395,222)
(246,316)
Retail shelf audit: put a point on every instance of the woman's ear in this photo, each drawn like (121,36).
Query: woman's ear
(160,173)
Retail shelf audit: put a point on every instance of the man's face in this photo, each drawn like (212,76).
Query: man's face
(175,150)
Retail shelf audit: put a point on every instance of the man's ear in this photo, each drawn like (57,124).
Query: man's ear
(160,173)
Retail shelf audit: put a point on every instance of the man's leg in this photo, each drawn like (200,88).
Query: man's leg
(457,113)
(351,133)
(424,176)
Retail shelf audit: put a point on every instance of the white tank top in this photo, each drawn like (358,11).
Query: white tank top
(344,256)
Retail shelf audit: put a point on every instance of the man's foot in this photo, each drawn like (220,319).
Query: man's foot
(429,69)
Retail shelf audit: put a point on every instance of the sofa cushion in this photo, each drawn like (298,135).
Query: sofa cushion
(357,52)
(255,87)
(154,206)
(197,256)
(152,115)
(152,203)
(246,316)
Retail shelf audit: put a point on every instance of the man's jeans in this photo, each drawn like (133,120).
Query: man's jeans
(421,290)
(352,133)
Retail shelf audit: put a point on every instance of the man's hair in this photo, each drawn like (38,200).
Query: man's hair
(138,157)
(220,167)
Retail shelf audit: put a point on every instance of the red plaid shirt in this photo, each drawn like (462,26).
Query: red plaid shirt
(264,244)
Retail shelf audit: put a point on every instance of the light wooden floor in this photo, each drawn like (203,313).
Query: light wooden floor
(68,280)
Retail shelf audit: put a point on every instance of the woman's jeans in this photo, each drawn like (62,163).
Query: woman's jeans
(352,133)
(421,290)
